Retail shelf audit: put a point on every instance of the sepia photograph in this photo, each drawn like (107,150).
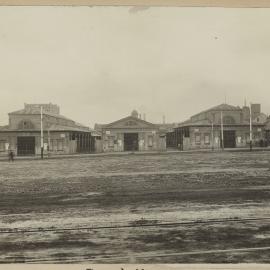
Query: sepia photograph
(134,135)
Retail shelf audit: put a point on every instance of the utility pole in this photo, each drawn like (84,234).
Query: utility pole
(250,129)
(41,132)
(212,135)
(222,132)
(49,142)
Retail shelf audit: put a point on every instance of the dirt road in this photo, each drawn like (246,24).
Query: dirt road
(40,199)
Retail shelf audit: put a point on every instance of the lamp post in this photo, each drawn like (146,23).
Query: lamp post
(212,135)
(41,132)
(222,132)
(250,129)
(49,141)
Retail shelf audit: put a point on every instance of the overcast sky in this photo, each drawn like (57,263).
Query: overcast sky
(100,63)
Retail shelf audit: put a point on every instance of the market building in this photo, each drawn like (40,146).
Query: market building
(221,126)
(132,134)
(61,135)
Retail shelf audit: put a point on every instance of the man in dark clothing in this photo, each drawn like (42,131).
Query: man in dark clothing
(11,156)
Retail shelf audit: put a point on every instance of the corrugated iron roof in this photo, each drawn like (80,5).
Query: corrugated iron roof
(222,107)
(37,111)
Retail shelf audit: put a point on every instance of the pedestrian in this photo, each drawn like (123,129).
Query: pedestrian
(10,156)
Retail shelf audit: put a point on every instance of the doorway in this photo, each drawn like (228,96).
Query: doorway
(229,139)
(26,146)
(131,142)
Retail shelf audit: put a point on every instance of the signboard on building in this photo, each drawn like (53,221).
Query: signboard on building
(62,135)
(7,146)
(45,146)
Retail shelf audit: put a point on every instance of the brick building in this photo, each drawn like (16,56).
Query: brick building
(132,134)
(61,134)
(203,130)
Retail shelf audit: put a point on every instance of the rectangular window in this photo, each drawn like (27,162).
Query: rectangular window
(57,145)
(150,141)
(111,141)
(54,145)
(186,132)
(60,145)
(198,138)
(206,138)
(2,146)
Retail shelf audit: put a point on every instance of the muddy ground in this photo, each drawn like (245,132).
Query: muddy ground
(55,211)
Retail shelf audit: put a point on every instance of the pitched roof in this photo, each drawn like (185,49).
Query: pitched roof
(56,127)
(225,107)
(3,128)
(34,110)
(221,107)
(194,123)
(129,117)
(98,127)
(167,126)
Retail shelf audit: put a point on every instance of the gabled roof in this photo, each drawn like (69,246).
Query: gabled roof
(222,107)
(267,125)
(167,126)
(207,122)
(132,118)
(56,127)
(37,111)
(225,107)
(194,123)
(98,127)
(3,128)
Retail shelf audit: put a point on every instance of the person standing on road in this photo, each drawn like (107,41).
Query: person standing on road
(10,156)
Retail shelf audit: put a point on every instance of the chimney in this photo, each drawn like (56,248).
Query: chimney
(144,117)
(163,119)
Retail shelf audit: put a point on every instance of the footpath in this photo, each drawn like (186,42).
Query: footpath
(141,153)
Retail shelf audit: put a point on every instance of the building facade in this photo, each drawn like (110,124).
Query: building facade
(221,126)
(61,135)
(132,134)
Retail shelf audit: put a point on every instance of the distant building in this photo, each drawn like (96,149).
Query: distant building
(132,134)
(203,130)
(61,134)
